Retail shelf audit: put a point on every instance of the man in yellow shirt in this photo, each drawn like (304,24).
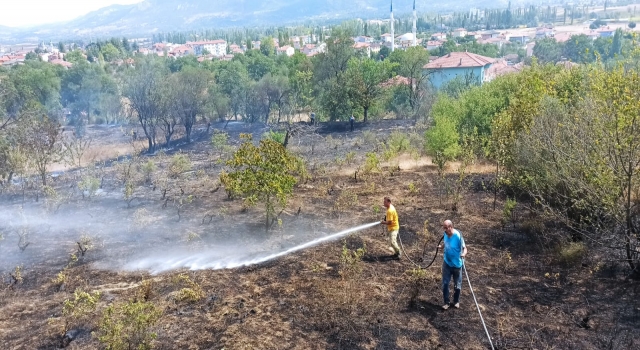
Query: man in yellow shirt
(393,226)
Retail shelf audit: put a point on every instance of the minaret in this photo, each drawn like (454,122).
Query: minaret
(415,19)
(393,37)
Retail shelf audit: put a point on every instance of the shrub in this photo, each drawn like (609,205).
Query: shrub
(351,261)
(128,326)
(508,212)
(277,136)
(417,282)
(180,163)
(399,142)
(349,157)
(89,185)
(372,163)
(79,309)
(148,169)
(191,291)
(572,253)
(369,137)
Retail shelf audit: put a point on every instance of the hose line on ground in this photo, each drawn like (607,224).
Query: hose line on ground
(424,250)
(465,271)
(477,306)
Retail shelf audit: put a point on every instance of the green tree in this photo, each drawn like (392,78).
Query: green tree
(144,88)
(75,57)
(188,94)
(579,48)
(39,137)
(616,45)
(110,52)
(547,50)
(442,141)
(365,78)
(330,78)
(267,47)
(263,173)
(410,63)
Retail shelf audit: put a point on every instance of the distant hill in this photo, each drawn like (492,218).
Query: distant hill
(152,16)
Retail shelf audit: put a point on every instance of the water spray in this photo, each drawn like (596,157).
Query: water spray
(214,260)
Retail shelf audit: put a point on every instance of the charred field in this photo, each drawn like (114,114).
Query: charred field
(176,240)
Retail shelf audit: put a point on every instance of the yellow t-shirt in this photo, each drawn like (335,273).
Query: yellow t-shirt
(392,215)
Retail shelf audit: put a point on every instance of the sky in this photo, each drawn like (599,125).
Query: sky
(22,13)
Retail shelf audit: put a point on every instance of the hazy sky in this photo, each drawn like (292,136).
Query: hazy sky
(17,13)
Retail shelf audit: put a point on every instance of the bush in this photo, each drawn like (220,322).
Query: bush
(508,212)
(79,309)
(277,136)
(89,186)
(180,163)
(399,142)
(128,326)
(148,169)
(571,254)
(372,163)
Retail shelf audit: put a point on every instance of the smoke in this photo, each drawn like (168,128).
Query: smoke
(148,238)
(222,259)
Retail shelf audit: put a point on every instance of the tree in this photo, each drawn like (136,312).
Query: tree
(267,47)
(616,45)
(143,88)
(39,138)
(110,52)
(442,142)
(331,84)
(410,64)
(232,80)
(188,96)
(631,25)
(365,78)
(579,48)
(582,160)
(263,174)
(547,50)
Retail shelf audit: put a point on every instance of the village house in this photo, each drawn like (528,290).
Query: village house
(467,65)
(386,38)
(365,48)
(235,49)
(518,39)
(439,36)
(217,48)
(544,33)
(285,50)
(375,48)
(363,39)
(459,33)
(434,44)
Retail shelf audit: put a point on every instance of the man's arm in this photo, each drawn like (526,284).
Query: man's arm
(464,251)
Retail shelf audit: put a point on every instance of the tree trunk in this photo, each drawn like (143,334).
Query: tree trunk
(366,113)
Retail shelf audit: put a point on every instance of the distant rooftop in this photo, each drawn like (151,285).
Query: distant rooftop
(459,59)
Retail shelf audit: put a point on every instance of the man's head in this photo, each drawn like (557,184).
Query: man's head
(447,225)
(387,202)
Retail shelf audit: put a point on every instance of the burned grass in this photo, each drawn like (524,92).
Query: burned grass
(340,295)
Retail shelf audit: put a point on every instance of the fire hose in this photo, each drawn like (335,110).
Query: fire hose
(424,250)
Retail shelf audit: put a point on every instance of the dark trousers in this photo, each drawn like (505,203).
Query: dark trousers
(351,122)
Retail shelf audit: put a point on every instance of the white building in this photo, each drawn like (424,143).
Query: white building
(217,48)
(286,50)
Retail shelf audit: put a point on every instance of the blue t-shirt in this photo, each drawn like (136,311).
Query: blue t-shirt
(453,248)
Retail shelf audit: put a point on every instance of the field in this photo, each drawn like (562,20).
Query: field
(167,241)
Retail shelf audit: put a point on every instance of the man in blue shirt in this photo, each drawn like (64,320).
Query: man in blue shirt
(454,252)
